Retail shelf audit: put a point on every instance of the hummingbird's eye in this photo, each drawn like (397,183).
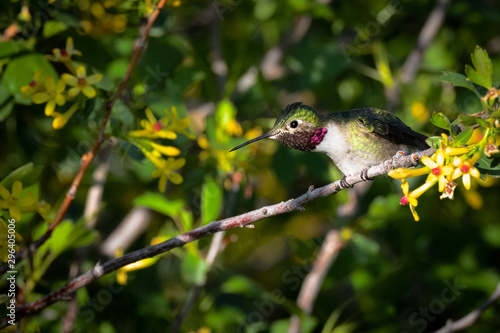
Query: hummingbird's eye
(294,124)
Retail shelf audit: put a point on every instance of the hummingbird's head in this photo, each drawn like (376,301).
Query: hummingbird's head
(297,127)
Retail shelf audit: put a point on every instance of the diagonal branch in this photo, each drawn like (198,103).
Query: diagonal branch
(243,220)
(89,157)
(472,317)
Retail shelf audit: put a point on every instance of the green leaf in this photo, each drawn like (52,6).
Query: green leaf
(83,236)
(240,285)
(482,122)
(464,136)
(52,28)
(60,237)
(458,80)
(6,103)
(159,203)
(467,120)
(440,120)
(491,233)
(186,219)
(211,201)
(194,269)
(13,47)
(483,72)
(494,115)
(365,245)
(26,174)
(434,141)
(489,166)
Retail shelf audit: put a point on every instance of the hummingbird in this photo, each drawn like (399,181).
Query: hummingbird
(355,140)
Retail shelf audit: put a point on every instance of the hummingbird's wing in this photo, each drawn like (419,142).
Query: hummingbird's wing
(391,128)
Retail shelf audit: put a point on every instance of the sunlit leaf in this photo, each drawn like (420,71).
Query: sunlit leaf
(211,201)
(434,141)
(458,80)
(482,72)
(159,203)
(489,166)
(26,174)
(464,136)
(194,268)
(440,120)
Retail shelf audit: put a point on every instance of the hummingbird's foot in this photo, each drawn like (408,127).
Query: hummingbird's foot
(364,175)
(344,183)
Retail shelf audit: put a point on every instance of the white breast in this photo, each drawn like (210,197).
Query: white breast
(336,146)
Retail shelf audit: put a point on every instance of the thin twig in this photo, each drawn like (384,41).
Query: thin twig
(425,38)
(242,220)
(472,317)
(92,203)
(87,158)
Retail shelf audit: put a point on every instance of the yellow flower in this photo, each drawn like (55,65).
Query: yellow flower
(36,85)
(466,170)
(81,83)
(419,111)
(64,55)
(178,125)
(411,197)
(491,149)
(491,95)
(153,128)
(60,120)
(451,151)
(438,170)
(203,142)
(53,95)
(12,202)
(25,14)
(121,273)
(165,150)
(166,169)
(401,173)
(449,190)
(234,128)
(407,199)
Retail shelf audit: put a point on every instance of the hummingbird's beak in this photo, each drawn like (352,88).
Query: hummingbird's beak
(264,136)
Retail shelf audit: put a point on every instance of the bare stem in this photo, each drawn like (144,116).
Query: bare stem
(209,229)
(472,317)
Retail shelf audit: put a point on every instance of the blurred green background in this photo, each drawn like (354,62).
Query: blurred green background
(230,67)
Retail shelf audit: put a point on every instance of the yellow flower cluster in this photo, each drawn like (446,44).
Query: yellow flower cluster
(53,94)
(16,205)
(164,128)
(97,19)
(12,202)
(443,167)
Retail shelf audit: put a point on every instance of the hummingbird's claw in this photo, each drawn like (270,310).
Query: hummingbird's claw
(344,183)
(364,175)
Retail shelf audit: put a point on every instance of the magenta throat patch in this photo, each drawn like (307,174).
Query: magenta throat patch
(318,136)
